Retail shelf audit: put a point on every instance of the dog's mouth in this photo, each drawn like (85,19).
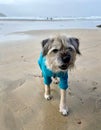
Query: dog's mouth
(64,67)
(65,62)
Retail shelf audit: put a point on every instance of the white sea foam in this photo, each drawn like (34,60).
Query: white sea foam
(51,18)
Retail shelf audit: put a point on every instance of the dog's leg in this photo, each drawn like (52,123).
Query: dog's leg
(63,107)
(47,94)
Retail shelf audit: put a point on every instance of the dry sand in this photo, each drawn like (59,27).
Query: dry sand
(22,105)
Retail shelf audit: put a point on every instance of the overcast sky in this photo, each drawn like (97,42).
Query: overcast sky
(51,8)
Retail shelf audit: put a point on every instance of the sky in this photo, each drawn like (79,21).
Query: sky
(50,8)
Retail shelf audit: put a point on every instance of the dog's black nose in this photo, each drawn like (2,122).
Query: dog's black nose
(66,58)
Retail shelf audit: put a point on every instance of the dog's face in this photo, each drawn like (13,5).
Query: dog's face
(60,52)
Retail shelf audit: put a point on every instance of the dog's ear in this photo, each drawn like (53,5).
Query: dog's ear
(75,42)
(45,46)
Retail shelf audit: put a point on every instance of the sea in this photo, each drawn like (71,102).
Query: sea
(9,25)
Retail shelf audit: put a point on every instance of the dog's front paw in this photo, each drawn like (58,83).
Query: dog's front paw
(55,80)
(64,112)
(47,97)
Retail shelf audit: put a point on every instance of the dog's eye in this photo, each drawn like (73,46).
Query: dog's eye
(70,49)
(55,50)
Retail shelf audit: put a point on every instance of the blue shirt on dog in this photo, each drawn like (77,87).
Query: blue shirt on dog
(47,74)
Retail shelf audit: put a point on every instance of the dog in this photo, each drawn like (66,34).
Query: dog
(57,56)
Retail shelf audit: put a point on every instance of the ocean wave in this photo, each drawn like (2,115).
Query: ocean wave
(51,18)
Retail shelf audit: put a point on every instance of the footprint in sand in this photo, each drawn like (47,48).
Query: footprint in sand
(70,92)
(79,121)
(94,83)
(94,86)
(98,104)
(24,59)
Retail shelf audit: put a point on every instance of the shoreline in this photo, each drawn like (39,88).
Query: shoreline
(31,34)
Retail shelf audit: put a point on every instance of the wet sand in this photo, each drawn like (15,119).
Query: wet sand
(22,105)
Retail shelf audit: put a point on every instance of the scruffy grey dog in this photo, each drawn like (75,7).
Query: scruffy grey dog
(57,56)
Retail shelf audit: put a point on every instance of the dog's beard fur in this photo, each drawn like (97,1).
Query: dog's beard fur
(60,52)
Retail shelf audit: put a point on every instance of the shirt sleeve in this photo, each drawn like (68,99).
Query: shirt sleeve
(40,60)
(47,80)
(64,81)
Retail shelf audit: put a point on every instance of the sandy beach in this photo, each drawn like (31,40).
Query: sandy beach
(22,104)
